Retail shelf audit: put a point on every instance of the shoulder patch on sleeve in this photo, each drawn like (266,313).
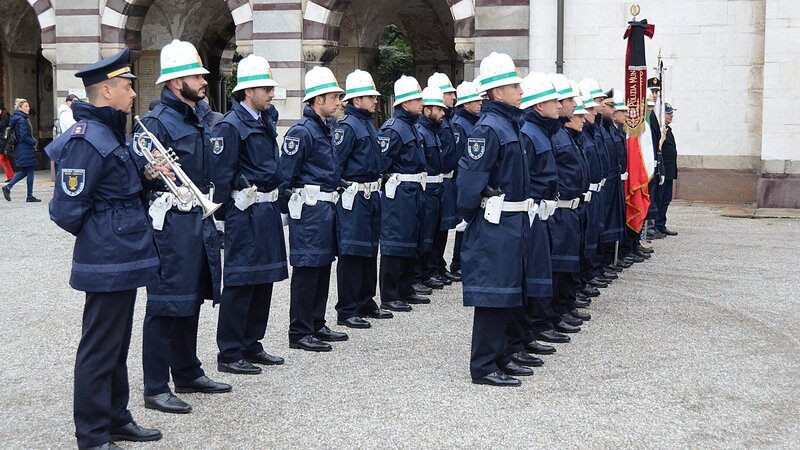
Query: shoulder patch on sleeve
(217,145)
(79,129)
(291,145)
(142,141)
(73,181)
(384,143)
(338,136)
(457,135)
(389,122)
(476,147)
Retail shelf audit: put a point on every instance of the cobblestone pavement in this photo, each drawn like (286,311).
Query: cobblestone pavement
(696,347)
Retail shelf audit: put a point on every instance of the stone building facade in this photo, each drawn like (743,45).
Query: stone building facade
(731,65)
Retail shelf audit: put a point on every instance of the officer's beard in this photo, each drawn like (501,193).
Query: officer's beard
(191,94)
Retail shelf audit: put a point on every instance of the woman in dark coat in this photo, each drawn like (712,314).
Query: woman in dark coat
(25,150)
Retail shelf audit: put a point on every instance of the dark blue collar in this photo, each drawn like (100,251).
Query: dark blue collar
(171,100)
(504,110)
(114,119)
(405,116)
(472,118)
(362,114)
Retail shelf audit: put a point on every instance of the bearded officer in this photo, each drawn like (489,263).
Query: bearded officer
(468,107)
(246,163)
(493,189)
(448,217)
(310,171)
(187,243)
(358,212)
(403,168)
(95,206)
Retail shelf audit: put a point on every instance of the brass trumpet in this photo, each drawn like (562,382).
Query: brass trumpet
(187,192)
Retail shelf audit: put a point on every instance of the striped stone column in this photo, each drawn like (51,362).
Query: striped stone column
(77,42)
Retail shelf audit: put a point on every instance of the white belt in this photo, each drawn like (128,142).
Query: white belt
(602,183)
(570,204)
(435,179)
(587,196)
(448,175)
(166,201)
(420,178)
(172,201)
(330,197)
(495,205)
(595,187)
(623,176)
(261,197)
(523,206)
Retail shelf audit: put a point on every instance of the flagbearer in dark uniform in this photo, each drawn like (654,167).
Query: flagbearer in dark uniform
(187,243)
(246,164)
(493,197)
(358,213)
(310,174)
(403,167)
(96,199)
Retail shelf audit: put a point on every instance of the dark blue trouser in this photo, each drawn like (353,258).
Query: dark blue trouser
(169,344)
(397,276)
(492,332)
(664,199)
(101,366)
(242,322)
(565,288)
(23,172)
(308,297)
(356,280)
(455,264)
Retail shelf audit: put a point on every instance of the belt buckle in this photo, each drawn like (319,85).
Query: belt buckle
(367,191)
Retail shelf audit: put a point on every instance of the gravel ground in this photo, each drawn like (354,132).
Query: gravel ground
(696,347)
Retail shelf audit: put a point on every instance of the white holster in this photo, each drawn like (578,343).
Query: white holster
(248,197)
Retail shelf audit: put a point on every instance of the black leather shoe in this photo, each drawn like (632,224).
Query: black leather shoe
(396,305)
(563,327)
(571,320)
(354,322)
(604,279)
(264,358)
(452,277)
(597,283)
(500,379)
(32,199)
(168,403)
(421,289)
(133,432)
(457,273)
(444,280)
(659,235)
(615,268)
(581,303)
(7,193)
(378,314)
(668,232)
(106,446)
(590,291)
(515,370)
(417,300)
(580,315)
(636,258)
(433,283)
(328,335)
(524,359)
(204,385)
(311,344)
(610,274)
(240,367)
(552,336)
(645,250)
(538,348)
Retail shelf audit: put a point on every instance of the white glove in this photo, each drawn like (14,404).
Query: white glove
(462,226)
(661,180)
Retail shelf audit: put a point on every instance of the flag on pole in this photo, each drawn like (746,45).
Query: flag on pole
(637,197)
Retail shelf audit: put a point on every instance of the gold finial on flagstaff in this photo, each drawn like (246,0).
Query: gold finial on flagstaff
(635,10)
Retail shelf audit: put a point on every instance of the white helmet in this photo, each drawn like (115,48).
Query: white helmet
(537,88)
(619,101)
(433,96)
(253,71)
(319,81)
(180,59)
(498,70)
(406,88)
(590,89)
(442,81)
(579,108)
(467,92)
(359,84)
(561,83)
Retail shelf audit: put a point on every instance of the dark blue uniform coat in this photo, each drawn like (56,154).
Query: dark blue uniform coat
(493,255)
(188,244)
(401,152)
(432,196)
(96,198)
(255,252)
(358,230)
(614,228)
(309,158)
(450,154)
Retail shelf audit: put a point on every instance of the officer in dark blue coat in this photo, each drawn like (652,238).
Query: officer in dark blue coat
(567,222)
(429,127)
(468,108)
(187,243)
(630,240)
(448,217)
(96,199)
(493,197)
(403,168)
(358,213)
(541,110)
(614,226)
(310,177)
(246,164)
